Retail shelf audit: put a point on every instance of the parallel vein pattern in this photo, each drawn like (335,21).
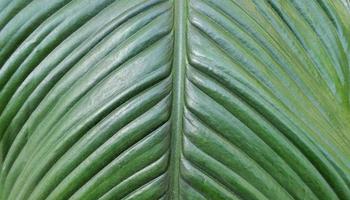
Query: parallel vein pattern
(174,99)
(85,107)
(267,101)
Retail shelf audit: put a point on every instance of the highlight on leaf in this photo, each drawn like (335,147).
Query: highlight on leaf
(174,99)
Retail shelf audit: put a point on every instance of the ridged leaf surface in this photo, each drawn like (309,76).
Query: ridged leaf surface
(181,99)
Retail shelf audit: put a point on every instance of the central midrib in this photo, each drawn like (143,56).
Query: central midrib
(178,75)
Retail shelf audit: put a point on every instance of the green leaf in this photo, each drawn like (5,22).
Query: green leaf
(182,99)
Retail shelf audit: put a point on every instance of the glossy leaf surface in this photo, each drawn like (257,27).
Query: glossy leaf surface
(182,99)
